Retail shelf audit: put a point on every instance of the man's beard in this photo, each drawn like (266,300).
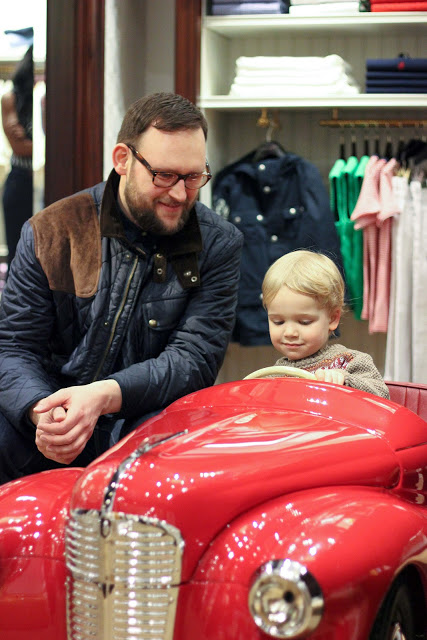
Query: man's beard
(146,218)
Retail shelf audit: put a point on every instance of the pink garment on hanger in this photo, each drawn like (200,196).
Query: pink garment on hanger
(389,206)
(365,213)
(379,319)
(368,203)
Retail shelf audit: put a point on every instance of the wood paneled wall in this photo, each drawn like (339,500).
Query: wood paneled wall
(74,96)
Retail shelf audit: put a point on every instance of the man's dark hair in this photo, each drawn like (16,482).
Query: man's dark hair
(165,111)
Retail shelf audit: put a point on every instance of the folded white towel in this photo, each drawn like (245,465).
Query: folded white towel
(305,77)
(311,63)
(331,8)
(314,3)
(293,91)
(290,74)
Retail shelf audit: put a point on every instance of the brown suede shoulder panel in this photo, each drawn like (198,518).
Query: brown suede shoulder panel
(67,243)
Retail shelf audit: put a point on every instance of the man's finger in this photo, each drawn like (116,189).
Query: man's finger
(63,453)
(50,402)
(58,414)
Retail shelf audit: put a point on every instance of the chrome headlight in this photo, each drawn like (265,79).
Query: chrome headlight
(285,600)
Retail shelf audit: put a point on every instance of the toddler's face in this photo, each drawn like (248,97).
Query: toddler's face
(298,325)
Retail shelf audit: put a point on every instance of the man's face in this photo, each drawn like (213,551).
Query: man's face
(162,210)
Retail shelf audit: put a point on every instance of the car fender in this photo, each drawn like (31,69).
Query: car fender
(32,564)
(354,540)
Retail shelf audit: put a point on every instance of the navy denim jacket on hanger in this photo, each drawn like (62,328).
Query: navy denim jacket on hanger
(280,204)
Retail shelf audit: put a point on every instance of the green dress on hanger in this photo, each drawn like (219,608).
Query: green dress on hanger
(344,189)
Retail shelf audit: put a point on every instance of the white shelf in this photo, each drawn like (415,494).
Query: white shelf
(254,25)
(363,100)
(233,121)
(355,38)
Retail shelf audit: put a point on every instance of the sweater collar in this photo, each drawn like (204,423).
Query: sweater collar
(309,359)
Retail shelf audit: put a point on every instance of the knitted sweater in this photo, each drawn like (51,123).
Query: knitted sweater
(360,370)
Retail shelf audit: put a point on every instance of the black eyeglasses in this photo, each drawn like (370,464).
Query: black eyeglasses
(167,179)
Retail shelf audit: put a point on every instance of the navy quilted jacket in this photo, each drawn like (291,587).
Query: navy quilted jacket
(280,204)
(85,301)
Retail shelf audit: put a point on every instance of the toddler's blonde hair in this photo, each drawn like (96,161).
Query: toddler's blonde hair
(307,272)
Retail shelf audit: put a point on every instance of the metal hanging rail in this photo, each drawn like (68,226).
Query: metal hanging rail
(371,122)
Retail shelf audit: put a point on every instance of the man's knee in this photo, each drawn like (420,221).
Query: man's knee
(16,451)
(19,455)
(131,424)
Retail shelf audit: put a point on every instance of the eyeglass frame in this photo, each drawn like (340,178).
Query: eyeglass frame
(179,176)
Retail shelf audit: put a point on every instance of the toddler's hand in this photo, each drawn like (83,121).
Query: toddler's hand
(337,376)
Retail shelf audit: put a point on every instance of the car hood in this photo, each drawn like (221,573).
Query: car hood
(216,454)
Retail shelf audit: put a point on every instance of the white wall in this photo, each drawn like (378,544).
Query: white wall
(139,58)
(160,49)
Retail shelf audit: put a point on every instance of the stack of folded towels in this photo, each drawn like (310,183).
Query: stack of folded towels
(293,77)
(323,7)
(396,75)
(232,7)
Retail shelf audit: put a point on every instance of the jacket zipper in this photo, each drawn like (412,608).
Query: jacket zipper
(116,319)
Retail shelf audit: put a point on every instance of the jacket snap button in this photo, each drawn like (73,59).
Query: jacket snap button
(267,189)
(159,256)
(194,279)
(152,323)
(292,211)
(160,271)
(187,274)
(260,217)
(274,238)
(261,167)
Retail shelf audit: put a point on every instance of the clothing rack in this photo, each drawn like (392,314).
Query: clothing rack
(371,122)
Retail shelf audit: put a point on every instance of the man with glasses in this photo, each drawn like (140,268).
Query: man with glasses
(120,299)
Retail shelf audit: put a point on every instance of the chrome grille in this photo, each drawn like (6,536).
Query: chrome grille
(124,576)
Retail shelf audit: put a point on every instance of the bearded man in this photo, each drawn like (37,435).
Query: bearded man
(120,299)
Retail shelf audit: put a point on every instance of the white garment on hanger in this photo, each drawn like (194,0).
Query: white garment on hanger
(419,271)
(398,366)
(389,366)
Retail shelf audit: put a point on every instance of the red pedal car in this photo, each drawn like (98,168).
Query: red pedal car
(263,508)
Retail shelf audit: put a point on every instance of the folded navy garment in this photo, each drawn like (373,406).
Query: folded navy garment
(239,8)
(397,89)
(396,75)
(396,64)
(401,82)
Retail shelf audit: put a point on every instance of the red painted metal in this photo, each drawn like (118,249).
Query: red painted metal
(266,469)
